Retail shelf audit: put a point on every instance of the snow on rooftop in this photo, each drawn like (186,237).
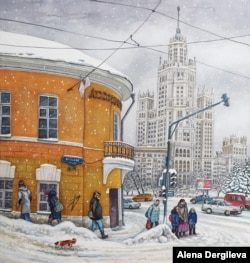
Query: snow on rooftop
(13,44)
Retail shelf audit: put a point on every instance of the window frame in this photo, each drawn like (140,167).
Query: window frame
(3,192)
(42,199)
(2,115)
(46,116)
(116,126)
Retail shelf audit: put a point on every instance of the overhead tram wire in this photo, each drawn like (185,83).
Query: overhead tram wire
(130,37)
(134,45)
(173,18)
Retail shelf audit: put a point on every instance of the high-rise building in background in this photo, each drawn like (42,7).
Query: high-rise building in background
(176,97)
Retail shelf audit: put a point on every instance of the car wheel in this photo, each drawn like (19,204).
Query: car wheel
(130,207)
(209,211)
(227,213)
(242,207)
(193,201)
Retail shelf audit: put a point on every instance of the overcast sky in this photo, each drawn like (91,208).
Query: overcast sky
(131,37)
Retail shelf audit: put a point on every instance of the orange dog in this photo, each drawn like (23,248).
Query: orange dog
(64,243)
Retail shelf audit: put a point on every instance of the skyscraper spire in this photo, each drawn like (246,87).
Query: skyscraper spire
(178,31)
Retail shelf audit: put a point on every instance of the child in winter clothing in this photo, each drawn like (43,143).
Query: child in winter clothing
(175,221)
(192,220)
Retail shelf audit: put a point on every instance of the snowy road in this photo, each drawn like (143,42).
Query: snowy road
(26,242)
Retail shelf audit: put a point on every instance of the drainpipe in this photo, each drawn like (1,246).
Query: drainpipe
(125,115)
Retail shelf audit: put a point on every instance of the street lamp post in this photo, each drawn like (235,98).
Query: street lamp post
(225,99)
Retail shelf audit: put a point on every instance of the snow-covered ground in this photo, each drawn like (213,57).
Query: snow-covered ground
(27,242)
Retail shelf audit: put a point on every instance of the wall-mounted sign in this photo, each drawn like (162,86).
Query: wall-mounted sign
(72,160)
(97,94)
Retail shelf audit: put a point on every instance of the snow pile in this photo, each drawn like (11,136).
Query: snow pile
(160,234)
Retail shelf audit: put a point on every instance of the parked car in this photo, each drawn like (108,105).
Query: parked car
(238,199)
(142,197)
(221,207)
(128,203)
(200,199)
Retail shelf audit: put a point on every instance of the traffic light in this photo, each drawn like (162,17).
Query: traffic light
(225,99)
(172,179)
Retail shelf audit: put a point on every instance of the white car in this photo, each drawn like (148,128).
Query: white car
(221,207)
(130,204)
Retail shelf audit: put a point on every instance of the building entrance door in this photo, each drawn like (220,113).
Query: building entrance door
(114,209)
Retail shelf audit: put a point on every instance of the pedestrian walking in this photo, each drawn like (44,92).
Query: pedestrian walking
(95,214)
(23,200)
(54,213)
(192,220)
(153,213)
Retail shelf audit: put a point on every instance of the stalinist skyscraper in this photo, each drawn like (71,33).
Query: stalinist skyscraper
(176,97)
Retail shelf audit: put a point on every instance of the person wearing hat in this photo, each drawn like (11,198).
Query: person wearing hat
(192,221)
(23,200)
(153,213)
(183,217)
(95,209)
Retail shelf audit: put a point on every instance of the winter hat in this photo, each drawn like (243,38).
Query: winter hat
(21,183)
(46,192)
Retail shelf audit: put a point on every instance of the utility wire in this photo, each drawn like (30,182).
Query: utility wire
(173,18)
(134,44)
(112,53)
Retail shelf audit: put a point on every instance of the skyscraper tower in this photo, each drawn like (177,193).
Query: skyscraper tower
(176,98)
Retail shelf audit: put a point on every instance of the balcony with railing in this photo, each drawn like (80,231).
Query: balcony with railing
(117,155)
(118,149)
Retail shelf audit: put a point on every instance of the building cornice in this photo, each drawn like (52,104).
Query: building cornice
(120,84)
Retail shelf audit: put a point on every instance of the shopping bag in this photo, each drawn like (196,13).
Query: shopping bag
(148,224)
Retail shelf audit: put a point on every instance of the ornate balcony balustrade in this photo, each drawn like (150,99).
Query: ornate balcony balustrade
(119,149)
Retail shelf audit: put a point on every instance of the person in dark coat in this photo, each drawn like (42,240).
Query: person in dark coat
(23,200)
(96,217)
(192,220)
(52,198)
(175,221)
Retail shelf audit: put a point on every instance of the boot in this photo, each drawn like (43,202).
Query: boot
(194,233)
(103,235)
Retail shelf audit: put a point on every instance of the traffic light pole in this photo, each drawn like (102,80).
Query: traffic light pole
(225,99)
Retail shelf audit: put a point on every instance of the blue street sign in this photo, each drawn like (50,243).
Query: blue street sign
(72,160)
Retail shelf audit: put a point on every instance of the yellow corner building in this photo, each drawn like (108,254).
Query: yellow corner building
(60,128)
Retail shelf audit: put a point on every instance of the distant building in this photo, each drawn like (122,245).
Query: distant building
(149,164)
(60,128)
(234,150)
(176,97)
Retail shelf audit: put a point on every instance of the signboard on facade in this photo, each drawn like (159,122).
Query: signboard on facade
(204,184)
(72,160)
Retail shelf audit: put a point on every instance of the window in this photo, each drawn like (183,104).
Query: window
(6,193)
(4,113)
(42,198)
(48,108)
(116,126)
